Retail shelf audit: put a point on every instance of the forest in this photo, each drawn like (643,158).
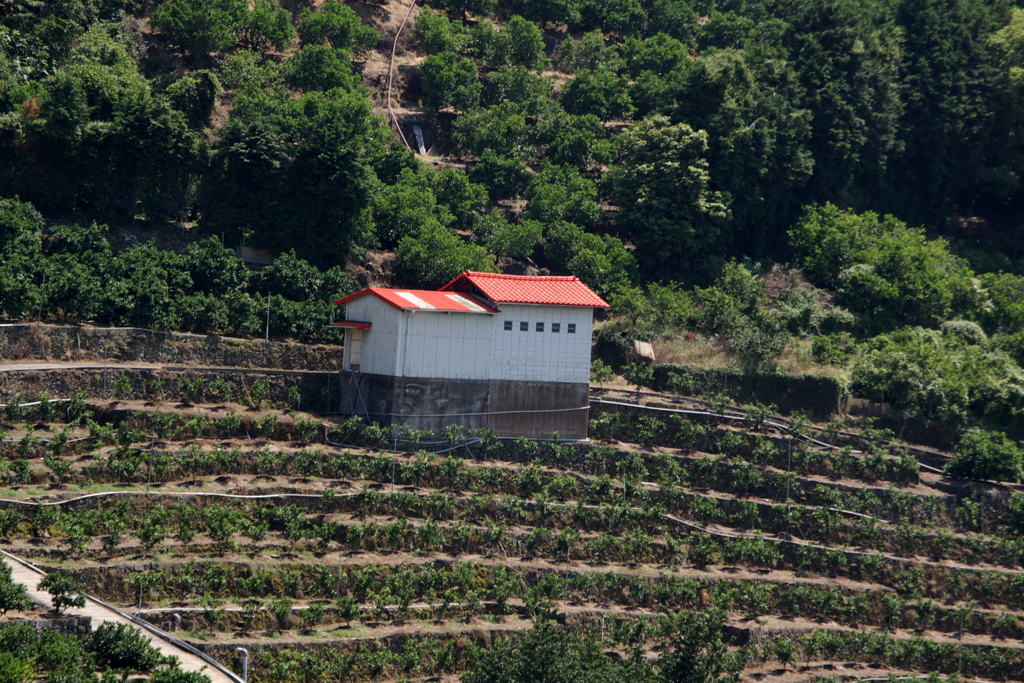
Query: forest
(824,186)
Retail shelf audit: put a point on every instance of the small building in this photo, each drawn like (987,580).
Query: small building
(507,352)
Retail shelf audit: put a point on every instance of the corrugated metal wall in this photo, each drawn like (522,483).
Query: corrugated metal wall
(447,345)
(545,356)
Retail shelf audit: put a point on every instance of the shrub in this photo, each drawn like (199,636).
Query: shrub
(65,590)
(986,455)
(124,647)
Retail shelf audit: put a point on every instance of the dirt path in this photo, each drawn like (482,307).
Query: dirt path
(23,573)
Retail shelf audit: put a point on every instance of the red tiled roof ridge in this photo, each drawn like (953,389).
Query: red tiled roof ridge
(529,278)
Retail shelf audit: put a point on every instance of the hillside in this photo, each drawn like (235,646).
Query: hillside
(794,202)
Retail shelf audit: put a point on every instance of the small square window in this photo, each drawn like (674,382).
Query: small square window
(572,328)
(508,325)
(556,327)
(540,327)
(524,326)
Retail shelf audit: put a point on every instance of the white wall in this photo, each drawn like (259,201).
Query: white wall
(542,356)
(438,344)
(380,342)
(447,344)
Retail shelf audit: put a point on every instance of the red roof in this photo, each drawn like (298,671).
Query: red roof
(353,324)
(425,300)
(552,290)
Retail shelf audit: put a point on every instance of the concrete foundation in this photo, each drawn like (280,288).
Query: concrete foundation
(535,410)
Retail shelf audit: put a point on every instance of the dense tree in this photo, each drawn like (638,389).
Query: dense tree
(267,23)
(882,269)
(483,8)
(663,189)
(450,81)
(320,67)
(438,33)
(560,193)
(599,93)
(504,238)
(500,129)
(434,256)
(200,26)
(293,172)
(337,25)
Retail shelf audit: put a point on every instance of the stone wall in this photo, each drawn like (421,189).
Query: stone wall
(74,343)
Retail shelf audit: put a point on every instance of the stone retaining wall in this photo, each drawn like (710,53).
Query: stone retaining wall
(128,344)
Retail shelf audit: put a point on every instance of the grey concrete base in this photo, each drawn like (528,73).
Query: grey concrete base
(532,409)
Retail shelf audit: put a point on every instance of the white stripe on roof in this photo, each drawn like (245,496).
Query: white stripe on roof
(463,301)
(415,301)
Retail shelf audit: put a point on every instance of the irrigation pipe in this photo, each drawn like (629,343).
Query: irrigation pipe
(671,518)
(391,70)
(142,623)
(785,428)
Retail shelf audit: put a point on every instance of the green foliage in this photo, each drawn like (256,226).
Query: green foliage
(939,378)
(123,647)
(986,455)
(200,26)
(679,233)
(450,81)
(320,67)
(504,177)
(265,24)
(560,193)
(65,591)
(438,34)
(600,261)
(337,25)
(434,256)
(599,93)
(519,43)
(886,272)
(504,238)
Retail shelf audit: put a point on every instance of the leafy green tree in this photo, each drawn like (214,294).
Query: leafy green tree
(600,93)
(662,189)
(337,25)
(200,26)
(504,177)
(548,11)
(195,95)
(123,647)
(576,141)
(519,43)
(400,209)
(439,34)
(847,58)
(560,193)
(65,591)
(320,67)
(950,106)
(625,17)
(532,92)
(267,23)
(986,455)
(12,595)
(463,198)
(500,129)
(450,81)
(503,238)
(21,246)
(759,139)
(482,8)
(883,269)
(661,53)
(434,256)
(293,173)
(602,261)
(594,51)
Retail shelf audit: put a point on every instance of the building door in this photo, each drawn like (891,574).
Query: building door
(355,355)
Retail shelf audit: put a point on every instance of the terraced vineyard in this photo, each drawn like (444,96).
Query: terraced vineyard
(784,551)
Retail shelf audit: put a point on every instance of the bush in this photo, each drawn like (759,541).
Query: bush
(503,238)
(123,647)
(986,455)
(450,81)
(65,590)
(338,26)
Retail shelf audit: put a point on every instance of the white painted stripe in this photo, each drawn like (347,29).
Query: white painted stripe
(463,301)
(416,301)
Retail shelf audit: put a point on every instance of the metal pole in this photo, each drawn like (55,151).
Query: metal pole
(268,316)
(245,663)
(42,287)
